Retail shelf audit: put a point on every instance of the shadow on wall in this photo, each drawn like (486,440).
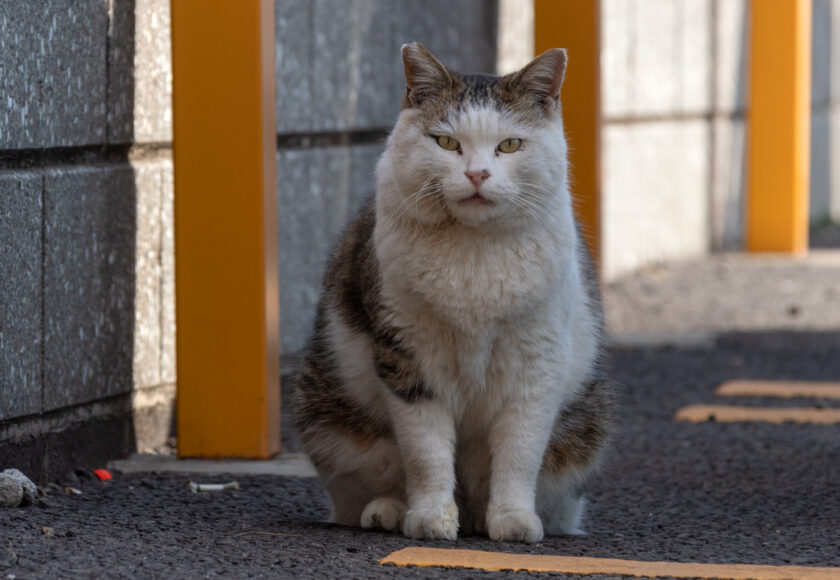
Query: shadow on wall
(824,201)
(729,130)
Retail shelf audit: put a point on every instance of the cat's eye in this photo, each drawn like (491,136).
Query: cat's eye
(510,145)
(448,143)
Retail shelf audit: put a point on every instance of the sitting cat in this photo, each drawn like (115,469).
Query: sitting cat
(453,381)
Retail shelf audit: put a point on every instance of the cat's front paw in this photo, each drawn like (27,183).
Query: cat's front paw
(432,523)
(514,525)
(383,513)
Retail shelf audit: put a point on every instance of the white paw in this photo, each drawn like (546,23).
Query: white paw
(514,526)
(432,524)
(383,513)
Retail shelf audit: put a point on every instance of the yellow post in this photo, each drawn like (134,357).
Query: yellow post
(779,126)
(576,26)
(225,228)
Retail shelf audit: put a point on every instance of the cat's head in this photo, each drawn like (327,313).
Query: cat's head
(478,149)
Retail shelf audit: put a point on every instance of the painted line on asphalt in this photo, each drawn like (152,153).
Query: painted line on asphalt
(781,389)
(496,562)
(730,414)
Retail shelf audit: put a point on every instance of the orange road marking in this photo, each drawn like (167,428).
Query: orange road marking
(729,414)
(496,562)
(782,389)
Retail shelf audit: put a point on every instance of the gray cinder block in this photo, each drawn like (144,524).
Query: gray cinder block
(89,283)
(346,74)
(821,65)
(53,72)
(19,99)
(293,47)
(350,56)
(71,61)
(121,73)
(835,52)
(444,27)
(820,166)
(20,293)
(319,191)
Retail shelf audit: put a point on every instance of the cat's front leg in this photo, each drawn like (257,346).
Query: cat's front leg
(518,439)
(426,437)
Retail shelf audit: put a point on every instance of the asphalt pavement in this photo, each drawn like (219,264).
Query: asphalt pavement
(711,492)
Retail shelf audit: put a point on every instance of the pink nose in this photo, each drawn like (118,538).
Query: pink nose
(477,177)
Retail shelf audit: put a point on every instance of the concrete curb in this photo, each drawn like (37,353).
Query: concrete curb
(286,465)
(698,339)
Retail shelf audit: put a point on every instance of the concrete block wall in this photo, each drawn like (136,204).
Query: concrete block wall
(87,321)
(339,89)
(825,112)
(86,302)
(658,95)
(675,91)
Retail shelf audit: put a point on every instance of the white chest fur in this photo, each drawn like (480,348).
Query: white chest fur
(481,308)
(471,280)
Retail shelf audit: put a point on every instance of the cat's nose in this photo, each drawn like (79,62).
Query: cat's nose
(477,177)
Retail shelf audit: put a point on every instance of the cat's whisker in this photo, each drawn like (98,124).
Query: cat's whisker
(531,204)
(406,203)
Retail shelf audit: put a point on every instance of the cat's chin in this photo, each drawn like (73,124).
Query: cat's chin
(473,214)
(476,199)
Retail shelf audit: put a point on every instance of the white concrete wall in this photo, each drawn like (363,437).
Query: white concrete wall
(657,94)
(515,35)
(674,80)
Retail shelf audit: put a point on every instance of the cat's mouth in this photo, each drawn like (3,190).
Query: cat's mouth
(476,198)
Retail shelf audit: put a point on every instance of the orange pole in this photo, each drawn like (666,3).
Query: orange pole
(228,401)
(575,25)
(779,126)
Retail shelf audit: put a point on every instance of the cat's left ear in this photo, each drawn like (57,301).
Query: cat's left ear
(542,78)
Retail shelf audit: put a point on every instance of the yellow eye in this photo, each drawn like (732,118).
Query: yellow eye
(510,145)
(448,143)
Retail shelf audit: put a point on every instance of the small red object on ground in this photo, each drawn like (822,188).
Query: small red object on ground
(102,474)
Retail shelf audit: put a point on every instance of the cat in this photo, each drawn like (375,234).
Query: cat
(454,379)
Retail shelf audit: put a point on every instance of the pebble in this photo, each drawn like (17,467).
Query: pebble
(11,493)
(16,489)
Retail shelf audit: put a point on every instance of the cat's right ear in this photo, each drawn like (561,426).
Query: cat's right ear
(540,80)
(425,76)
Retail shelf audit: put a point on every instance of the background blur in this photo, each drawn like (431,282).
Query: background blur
(87,320)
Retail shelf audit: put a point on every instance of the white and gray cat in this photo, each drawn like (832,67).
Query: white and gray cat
(453,382)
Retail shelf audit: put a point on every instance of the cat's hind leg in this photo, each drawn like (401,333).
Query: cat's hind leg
(384,513)
(560,504)
(575,450)
(366,485)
